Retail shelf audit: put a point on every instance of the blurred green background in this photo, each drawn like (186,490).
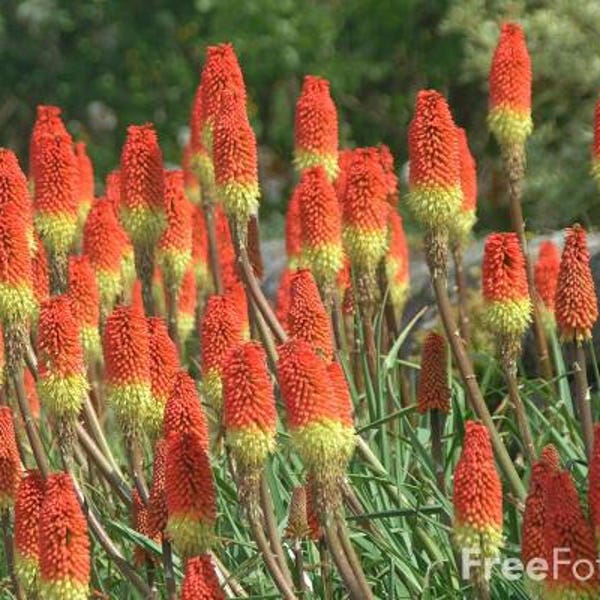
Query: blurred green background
(109,63)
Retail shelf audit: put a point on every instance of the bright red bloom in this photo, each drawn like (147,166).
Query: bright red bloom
(312,511)
(139,521)
(65,551)
(183,411)
(316,127)
(112,189)
(344,162)
(190,180)
(397,264)
(13,183)
(48,122)
(83,292)
(546,271)
(142,185)
(567,528)
(293,230)
(86,175)
(284,297)
(477,493)
(434,391)
(386,159)
(594,482)
(576,308)
(307,318)
(200,249)
(227,260)
(468,184)
(10,463)
(434,177)
(186,305)
(157,503)
(341,394)
(320,224)
(200,582)
(365,210)
(510,87)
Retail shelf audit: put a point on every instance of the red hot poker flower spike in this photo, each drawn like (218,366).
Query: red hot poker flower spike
(594,482)
(283,299)
(576,307)
(200,160)
(391,179)
(200,582)
(139,521)
(596,144)
(397,267)
(316,130)
(186,303)
(157,503)
(509,117)
(546,271)
(48,122)
(434,391)
(86,181)
(200,250)
(10,463)
(468,183)
(341,394)
(13,187)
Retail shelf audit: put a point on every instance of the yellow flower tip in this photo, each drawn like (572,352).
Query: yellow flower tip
(324,260)
(185,326)
(190,536)
(510,127)
(131,404)
(304,159)
(508,317)
(143,225)
(174,264)
(212,385)
(240,200)
(63,589)
(486,539)
(27,570)
(17,303)
(251,446)
(435,207)
(365,248)
(63,396)
(57,230)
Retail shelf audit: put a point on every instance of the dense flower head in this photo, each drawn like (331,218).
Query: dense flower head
(56,193)
(62,382)
(293,230)
(183,411)
(191,182)
(596,144)
(13,183)
(434,392)
(157,502)
(307,318)
(320,225)
(386,158)
(221,328)
(200,156)
(200,582)
(48,122)
(297,523)
(365,210)
(567,528)
(174,251)
(65,551)
(200,250)
(249,414)
(546,271)
(576,305)
(235,158)
(28,503)
(504,282)
(341,394)
(10,463)
(227,259)
(509,115)
(594,482)
(17,301)
(186,305)
(142,185)
(397,266)
(86,180)
(316,128)
(112,189)
(284,297)
(477,494)
(435,195)
(140,522)
(465,219)
(344,161)
(191,514)
(127,365)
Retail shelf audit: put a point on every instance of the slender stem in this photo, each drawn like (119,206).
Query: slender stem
(582,397)
(144,266)
(299,564)
(134,456)
(9,554)
(463,290)
(342,531)
(229,579)
(325,559)
(213,249)
(167,558)
(437,430)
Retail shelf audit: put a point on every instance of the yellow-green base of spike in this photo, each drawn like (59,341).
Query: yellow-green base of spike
(57,230)
(595,170)
(510,127)
(27,570)
(364,247)
(206,136)
(154,417)
(92,345)
(507,317)
(240,200)
(204,169)
(110,285)
(250,446)
(304,159)
(185,326)
(435,207)
(131,405)
(194,194)
(462,226)
(144,225)
(324,261)
(173,263)
(17,302)
(6,500)
(212,386)
(190,536)
(63,589)
(485,540)
(62,396)
(324,444)
(128,273)
(203,277)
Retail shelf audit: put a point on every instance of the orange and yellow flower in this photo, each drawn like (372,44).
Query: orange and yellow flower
(48,122)
(545,276)
(10,463)
(434,391)
(85,188)
(397,266)
(463,224)
(200,582)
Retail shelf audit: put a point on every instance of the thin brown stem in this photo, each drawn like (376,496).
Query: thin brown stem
(299,564)
(325,560)
(134,455)
(144,266)
(582,397)
(462,286)
(229,580)
(167,558)
(342,531)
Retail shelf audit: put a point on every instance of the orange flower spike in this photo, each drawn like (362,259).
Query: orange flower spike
(509,116)
(596,144)
(191,515)
(293,230)
(48,122)
(221,72)
(174,252)
(200,157)
(127,367)
(435,195)
(140,522)
(341,394)
(221,328)
(235,158)
(236,292)
(477,495)
(200,582)
(10,463)
(157,502)
(434,391)
(17,299)
(65,551)
(112,189)
(397,266)
(142,186)
(570,540)
(62,382)
(85,304)
(321,437)
(56,194)
(164,364)
(594,483)
(227,259)
(186,303)
(249,414)
(28,503)
(183,411)
(468,183)
(365,211)
(344,162)
(30,386)
(320,225)
(200,250)
(316,128)
(386,159)
(576,305)
(86,181)
(284,297)
(546,271)
(307,318)
(190,181)
(505,291)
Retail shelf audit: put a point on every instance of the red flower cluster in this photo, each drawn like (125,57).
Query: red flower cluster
(434,392)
